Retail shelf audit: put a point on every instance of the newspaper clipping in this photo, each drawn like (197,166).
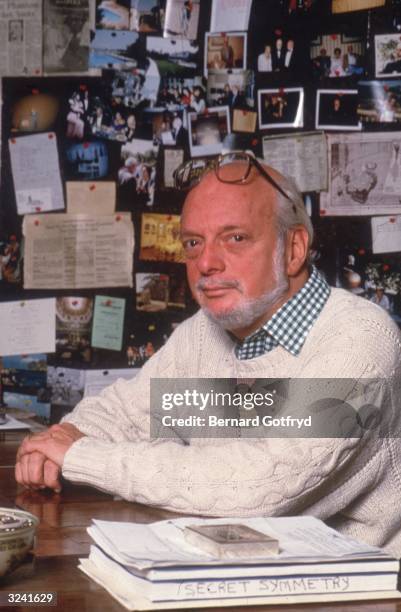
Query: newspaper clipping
(20,37)
(301,156)
(66,36)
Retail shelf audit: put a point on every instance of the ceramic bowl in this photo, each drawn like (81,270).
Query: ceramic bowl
(17,532)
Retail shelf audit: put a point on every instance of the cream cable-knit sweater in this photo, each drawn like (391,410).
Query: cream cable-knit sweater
(353,484)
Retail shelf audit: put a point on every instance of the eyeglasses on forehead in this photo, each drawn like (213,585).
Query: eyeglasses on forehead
(239,163)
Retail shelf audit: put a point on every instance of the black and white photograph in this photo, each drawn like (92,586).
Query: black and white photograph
(235,90)
(207,131)
(112,14)
(379,101)
(333,56)
(226,51)
(336,109)
(281,108)
(147,16)
(387,55)
(182,18)
(66,36)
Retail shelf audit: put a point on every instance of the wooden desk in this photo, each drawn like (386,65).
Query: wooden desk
(62,539)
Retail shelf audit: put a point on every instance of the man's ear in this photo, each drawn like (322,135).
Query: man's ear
(297,249)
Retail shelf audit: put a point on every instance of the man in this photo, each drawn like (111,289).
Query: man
(289,59)
(278,55)
(227,53)
(264,313)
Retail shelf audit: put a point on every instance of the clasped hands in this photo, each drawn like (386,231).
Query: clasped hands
(40,456)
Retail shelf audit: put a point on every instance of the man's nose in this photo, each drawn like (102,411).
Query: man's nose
(211,259)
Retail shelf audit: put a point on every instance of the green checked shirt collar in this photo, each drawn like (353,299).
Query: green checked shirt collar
(290,325)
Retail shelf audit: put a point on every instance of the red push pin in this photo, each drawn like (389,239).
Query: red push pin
(92,188)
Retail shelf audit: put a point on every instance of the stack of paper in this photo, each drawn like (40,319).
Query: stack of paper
(154,567)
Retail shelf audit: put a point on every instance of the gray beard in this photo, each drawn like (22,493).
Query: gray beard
(252,309)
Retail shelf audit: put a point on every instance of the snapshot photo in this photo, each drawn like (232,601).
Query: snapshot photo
(156,291)
(137,173)
(177,93)
(173,56)
(281,108)
(36,112)
(147,16)
(388,55)
(87,161)
(333,56)
(182,18)
(112,14)
(168,127)
(137,87)
(225,51)
(235,90)
(160,238)
(279,54)
(207,131)
(336,109)
(113,49)
(379,101)
(66,385)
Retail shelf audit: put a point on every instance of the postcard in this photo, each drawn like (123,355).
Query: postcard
(73,328)
(108,323)
(152,291)
(28,326)
(27,403)
(281,108)
(160,239)
(36,173)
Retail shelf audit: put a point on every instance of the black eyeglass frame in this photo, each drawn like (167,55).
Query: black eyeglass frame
(215,164)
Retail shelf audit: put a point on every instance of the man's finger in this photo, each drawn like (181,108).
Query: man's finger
(18,473)
(39,436)
(35,468)
(51,473)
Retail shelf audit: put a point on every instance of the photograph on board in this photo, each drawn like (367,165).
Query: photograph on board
(225,51)
(281,108)
(379,101)
(336,109)
(207,131)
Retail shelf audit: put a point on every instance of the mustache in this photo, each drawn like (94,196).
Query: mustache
(208,283)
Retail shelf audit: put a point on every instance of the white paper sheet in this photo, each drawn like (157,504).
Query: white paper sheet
(78,251)
(163,543)
(36,173)
(230,15)
(386,234)
(28,326)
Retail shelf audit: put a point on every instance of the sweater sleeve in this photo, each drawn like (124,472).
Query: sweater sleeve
(225,477)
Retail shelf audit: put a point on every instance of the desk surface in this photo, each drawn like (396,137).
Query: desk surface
(62,538)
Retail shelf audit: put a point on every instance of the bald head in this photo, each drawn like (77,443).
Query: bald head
(240,265)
